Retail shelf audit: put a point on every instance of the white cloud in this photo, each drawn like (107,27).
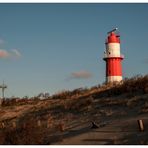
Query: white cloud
(81,75)
(14,53)
(3,53)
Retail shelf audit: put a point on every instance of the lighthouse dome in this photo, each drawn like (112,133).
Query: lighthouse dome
(113,38)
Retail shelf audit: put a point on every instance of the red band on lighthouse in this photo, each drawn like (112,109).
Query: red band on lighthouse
(113,58)
(113,38)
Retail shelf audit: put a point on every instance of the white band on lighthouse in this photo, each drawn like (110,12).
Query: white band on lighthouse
(113,50)
(113,78)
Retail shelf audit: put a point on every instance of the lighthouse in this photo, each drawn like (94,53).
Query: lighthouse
(113,57)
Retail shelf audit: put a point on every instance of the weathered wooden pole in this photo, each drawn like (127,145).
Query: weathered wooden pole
(61,127)
(39,123)
(14,124)
(3,125)
(49,123)
(141,125)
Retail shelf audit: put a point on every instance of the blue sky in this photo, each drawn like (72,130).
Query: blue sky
(55,47)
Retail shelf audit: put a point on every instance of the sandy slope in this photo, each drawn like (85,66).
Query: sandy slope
(117,131)
(66,118)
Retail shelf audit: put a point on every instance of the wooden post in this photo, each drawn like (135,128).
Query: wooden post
(13,124)
(141,126)
(39,123)
(3,125)
(48,123)
(61,127)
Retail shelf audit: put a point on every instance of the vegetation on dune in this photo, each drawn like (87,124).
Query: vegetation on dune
(33,121)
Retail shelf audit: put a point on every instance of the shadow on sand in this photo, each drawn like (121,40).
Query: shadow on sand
(68,134)
(106,141)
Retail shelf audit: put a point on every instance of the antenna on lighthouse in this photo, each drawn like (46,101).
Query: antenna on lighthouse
(113,30)
(3,87)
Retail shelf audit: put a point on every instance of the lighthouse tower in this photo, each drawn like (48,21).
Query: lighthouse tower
(113,58)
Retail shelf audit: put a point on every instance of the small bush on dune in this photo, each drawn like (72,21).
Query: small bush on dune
(79,104)
(134,86)
(23,136)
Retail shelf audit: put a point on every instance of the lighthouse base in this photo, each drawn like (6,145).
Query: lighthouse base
(113,79)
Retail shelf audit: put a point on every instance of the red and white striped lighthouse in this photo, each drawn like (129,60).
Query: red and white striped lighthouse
(113,57)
